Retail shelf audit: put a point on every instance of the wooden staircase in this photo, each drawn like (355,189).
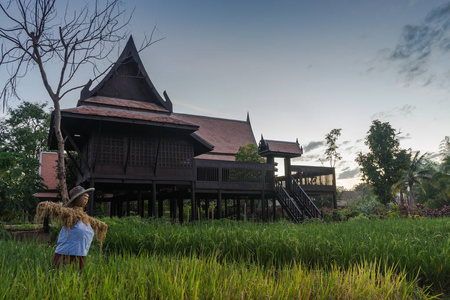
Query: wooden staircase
(296,203)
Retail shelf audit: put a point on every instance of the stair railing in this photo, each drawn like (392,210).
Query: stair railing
(304,201)
(287,202)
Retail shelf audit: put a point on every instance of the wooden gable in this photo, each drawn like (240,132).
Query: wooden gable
(129,80)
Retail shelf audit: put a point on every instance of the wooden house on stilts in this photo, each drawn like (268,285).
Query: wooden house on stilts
(141,156)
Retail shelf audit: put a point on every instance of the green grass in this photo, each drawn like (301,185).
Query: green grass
(417,247)
(360,259)
(26,274)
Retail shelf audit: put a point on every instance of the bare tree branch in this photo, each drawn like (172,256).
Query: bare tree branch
(38,35)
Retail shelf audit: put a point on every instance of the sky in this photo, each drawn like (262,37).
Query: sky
(300,68)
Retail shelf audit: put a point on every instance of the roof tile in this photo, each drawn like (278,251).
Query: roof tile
(125,114)
(225,135)
(124,104)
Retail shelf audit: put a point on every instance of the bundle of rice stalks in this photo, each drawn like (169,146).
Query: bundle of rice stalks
(69,217)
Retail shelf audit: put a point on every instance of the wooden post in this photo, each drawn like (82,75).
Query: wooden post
(180,210)
(219,205)
(91,199)
(212,214)
(193,202)
(245,211)
(274,203)
(128,203)
(238,209)
(252,208)
(160,208)
(153,202)
(288,174)
(226,208)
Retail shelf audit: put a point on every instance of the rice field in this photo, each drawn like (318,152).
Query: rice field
(141,259)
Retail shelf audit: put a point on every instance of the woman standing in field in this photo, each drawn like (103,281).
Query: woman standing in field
(78,229)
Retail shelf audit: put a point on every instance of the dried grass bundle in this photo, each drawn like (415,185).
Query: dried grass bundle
(70,217)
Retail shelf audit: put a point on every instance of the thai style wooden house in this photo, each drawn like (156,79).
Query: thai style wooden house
(136,151)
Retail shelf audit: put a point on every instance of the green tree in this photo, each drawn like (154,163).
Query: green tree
(364,189)
(435,193)
(444,147)
(19,180)
(382,166)
(25,130)
(249,153)
(331,153)
(413,175)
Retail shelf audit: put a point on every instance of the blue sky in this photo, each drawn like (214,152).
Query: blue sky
(302,68)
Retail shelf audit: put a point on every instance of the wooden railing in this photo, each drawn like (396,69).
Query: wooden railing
(303,200)
(233,175)
(287,202)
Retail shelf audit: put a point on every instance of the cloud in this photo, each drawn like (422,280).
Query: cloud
(314,145)
(347,173)
(406,110)
(404,137)
(418,43)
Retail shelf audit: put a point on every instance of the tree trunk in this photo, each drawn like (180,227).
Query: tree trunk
(62,187)
(411,197)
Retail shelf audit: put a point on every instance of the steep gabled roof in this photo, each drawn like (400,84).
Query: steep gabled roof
(127,79)
(225,135)
(279,148)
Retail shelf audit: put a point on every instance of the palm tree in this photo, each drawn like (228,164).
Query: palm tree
(412,176)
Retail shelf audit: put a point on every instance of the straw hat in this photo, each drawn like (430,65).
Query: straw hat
(77,192)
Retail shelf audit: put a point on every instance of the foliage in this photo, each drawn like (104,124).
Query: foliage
(435,193)
(4,234)
(23,135)
(323,200)
(331,153)
(18,182)
(25,130)
(412,176)
(364,189)
(367,205)
(444,147)
(413,245)
(382,166)
(249,153)
(25,275)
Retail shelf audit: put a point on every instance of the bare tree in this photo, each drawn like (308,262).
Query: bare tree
(42,35)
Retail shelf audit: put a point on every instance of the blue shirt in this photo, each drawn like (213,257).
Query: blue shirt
(75,241)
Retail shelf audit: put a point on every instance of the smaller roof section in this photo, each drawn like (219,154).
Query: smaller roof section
(225,135)
(279,148)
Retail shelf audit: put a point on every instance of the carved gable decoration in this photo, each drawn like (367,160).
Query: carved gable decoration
(129,80)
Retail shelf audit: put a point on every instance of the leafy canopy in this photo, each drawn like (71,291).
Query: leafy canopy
(249,153)
(383,165)
(25,130)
